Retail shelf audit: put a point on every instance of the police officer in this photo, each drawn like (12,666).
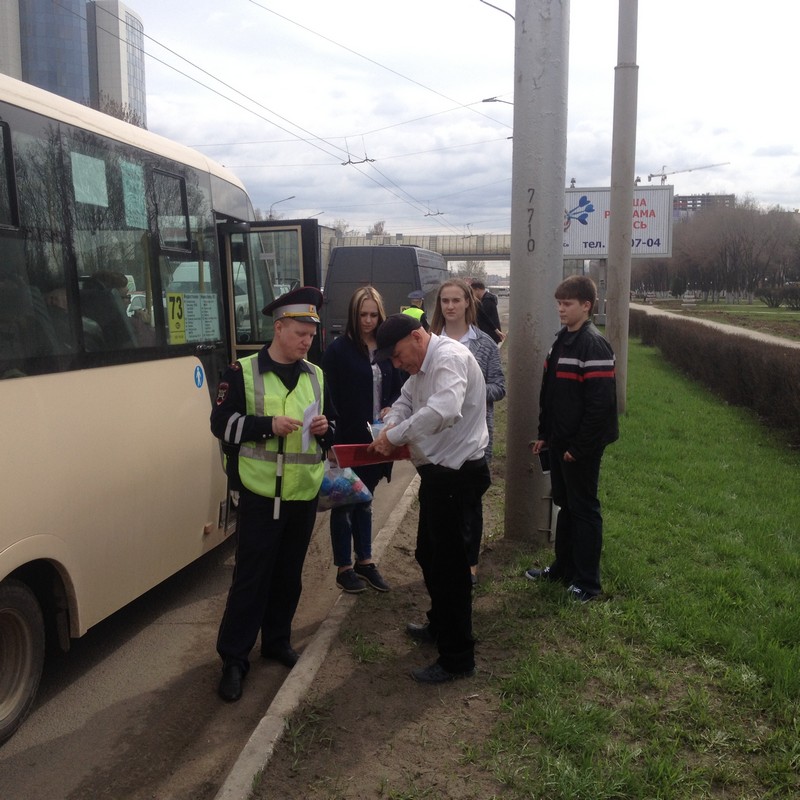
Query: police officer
(417,308)
(275,459)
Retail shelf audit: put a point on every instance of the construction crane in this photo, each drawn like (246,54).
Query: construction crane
(663,175)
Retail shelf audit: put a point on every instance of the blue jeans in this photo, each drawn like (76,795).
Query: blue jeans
(351,529)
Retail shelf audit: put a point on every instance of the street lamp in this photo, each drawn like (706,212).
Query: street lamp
(496,100)
(276,203)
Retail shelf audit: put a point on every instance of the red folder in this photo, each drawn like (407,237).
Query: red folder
(358,455)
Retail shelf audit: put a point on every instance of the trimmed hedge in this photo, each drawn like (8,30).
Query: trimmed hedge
(742,367)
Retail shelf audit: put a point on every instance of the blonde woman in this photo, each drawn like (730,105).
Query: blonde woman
(360,393)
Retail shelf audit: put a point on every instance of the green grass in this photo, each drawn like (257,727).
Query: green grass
(365,651)
(684,682)
(755,316)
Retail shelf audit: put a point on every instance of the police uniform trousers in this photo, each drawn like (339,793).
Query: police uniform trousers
(267,576)
(450,507)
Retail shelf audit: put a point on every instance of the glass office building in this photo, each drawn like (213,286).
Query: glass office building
(92,53)
(54,47)
(134,46)
(116,56)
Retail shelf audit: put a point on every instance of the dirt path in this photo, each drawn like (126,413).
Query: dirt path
(366,729)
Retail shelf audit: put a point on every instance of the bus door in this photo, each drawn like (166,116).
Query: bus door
(264,260)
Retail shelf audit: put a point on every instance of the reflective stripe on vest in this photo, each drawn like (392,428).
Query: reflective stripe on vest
(267,396)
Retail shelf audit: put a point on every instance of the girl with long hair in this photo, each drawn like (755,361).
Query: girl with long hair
(360,393)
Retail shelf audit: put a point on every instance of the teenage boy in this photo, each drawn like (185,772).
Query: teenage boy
(577,419)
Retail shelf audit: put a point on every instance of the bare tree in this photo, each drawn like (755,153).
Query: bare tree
(342,228)
(378,229)
(470,269)
(108,105)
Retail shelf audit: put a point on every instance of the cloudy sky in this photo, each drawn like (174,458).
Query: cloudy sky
(284,91)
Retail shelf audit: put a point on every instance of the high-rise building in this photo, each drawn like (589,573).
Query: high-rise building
(116,56)
(10,46)
(88,52)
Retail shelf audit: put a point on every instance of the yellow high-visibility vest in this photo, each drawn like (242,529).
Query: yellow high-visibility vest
(267,396)
(414,311)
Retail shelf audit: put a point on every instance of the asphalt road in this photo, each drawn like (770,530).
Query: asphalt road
(131,712)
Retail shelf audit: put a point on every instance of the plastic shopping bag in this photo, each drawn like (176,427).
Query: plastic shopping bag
(341,487)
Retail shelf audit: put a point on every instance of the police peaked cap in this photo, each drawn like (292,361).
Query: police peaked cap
(301,304)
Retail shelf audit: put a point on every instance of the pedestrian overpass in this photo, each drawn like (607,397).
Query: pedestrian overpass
(477,247)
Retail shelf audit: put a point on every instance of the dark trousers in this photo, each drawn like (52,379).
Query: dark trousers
(267,577)
(450,507)
(579,529)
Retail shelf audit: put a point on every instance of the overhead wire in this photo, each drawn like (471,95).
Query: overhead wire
(379,158)
(371,60)
(352,136)
(312,138)
(310,141)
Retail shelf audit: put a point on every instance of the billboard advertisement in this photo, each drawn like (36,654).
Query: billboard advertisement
(586,222)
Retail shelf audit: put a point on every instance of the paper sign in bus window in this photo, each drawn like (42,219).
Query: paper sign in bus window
(192,317)
(89,180)
(133,193)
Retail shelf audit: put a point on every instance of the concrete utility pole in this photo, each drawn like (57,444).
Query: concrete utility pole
(537,228)
(623,158)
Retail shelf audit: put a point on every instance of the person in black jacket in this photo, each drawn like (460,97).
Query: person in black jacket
(488,316)
(360,393)
(577,419)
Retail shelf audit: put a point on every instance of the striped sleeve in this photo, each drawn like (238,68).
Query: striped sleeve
(576,370)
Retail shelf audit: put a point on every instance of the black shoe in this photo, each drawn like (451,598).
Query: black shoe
(351,583)
(534,574)
(421,632)
(579,596)
(283,653)
(230,686)
(369,572)
(436,673)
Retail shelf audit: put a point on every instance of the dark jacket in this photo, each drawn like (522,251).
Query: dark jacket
(348,387)
(578,399)
(488,316)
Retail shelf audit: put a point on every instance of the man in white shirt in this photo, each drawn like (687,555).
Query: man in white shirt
(441,416)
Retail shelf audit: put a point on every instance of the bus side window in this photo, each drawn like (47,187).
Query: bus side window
(25,327)
(105,308)
(12,333)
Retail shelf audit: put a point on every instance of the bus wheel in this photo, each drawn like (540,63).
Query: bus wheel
(21,654)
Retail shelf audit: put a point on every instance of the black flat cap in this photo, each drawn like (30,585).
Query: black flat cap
(390,332)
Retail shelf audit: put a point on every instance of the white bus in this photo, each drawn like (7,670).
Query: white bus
(111,480)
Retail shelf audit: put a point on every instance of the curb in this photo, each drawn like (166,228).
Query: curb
(252,761)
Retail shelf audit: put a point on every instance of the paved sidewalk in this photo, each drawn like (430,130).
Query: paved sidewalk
(259,748)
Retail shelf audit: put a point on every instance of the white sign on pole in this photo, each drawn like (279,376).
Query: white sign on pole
(586,216)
